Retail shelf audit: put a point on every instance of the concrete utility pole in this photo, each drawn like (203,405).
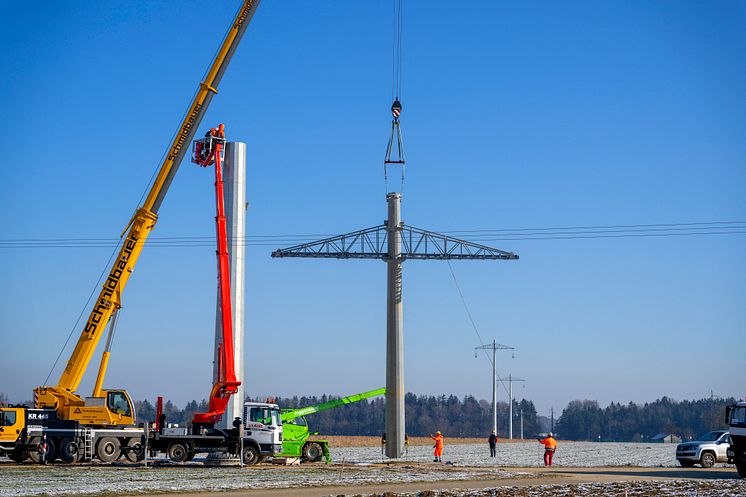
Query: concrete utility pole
(494,346)
(234,177)
(510,381)
(521,423)
(395,428)
(393,242)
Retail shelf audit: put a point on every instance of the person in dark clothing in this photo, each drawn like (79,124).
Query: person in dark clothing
(493,444)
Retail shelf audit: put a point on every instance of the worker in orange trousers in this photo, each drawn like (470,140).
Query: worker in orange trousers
(438,453)
(550,445)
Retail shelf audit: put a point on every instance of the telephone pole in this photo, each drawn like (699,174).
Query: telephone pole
(510,381)
(494,347)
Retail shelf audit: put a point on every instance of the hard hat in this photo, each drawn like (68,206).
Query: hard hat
(493,431)
(551,434)
(437,433)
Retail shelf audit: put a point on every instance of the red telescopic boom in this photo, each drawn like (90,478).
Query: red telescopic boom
(206,153)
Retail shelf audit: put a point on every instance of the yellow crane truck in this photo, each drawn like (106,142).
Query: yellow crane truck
(102,425)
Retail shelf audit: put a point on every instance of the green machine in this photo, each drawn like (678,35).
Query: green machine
(295,433)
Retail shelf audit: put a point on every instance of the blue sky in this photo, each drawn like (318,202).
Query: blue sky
(516,115)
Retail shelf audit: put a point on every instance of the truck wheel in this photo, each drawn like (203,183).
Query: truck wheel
(312,452)
(707,460)
(250,455)
(108,449)
(69,450)
(134,452)
(178,452)
(51,450)
(741,467)
(18,456)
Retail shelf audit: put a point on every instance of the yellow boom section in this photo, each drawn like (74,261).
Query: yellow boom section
(109,300)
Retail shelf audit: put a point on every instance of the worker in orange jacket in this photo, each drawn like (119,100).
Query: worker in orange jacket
(438,453)
(550,445)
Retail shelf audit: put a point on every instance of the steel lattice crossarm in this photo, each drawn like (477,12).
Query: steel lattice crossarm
(416,243)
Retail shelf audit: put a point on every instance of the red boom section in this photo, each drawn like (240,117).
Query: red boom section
(210,152)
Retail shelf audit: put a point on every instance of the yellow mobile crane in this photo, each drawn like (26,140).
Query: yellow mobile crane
(114,407)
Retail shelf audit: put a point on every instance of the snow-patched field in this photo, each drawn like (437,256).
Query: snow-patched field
(526,454)
(353,466)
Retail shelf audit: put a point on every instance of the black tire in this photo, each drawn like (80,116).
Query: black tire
(250,455)
(741,467)
(707,459)
(178,452)
(51,450)
(135,451)
(190,456)
(108,449)
(312,452)
(686,464)
(18,456)
(70,451)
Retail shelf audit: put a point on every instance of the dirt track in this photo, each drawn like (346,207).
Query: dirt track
(716,478)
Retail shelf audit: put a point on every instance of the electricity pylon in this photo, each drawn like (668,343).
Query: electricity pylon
(494,347)
(393,242)
(511,380)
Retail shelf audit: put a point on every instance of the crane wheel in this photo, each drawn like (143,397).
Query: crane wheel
(51,450)
(135,451)
(250,455)
(312,452)
(18,456)
(69,450)
(178,452)
(108,449)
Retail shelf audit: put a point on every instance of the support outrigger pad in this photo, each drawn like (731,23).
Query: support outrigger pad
(222,459)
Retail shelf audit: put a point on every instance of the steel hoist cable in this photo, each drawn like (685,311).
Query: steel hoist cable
(395,146)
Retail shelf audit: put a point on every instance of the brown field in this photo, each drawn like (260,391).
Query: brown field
(356,441)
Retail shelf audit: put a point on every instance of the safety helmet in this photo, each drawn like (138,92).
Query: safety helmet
(437,433)
(551,434)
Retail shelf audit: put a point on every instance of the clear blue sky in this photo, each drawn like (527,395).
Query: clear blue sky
(516,115)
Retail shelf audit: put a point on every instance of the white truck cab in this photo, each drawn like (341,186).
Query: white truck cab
(263,427)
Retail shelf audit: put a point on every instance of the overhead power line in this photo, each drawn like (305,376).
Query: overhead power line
(477,235)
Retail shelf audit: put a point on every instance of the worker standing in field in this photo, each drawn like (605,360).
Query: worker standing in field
(438,453)
(550,445)
(492,440)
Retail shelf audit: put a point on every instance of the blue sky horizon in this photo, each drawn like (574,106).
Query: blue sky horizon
(516,116)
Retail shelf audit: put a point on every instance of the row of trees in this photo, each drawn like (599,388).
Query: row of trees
(469,417)
(586,420)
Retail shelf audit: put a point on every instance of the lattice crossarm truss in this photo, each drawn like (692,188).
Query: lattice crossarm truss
(416,243)
(422,244)
(369,243)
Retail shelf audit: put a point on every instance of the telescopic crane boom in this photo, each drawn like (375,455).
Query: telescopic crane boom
(114,407)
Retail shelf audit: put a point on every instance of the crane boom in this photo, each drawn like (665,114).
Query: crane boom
(304,411)
(62,396)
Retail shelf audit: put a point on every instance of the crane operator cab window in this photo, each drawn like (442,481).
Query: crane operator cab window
(117,402)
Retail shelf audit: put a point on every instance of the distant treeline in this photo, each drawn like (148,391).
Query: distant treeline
(468,417)
(585,420)
(425,414)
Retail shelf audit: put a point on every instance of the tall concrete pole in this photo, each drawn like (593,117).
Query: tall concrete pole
(234,176)
(494,386)
(510,407)
(395,424)
(521,423)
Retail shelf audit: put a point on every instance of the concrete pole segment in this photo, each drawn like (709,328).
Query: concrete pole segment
(234,176)
(494,386)
(395,424)
(510,407)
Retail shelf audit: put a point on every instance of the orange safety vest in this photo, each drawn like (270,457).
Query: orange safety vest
(438,440)
(550,443)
